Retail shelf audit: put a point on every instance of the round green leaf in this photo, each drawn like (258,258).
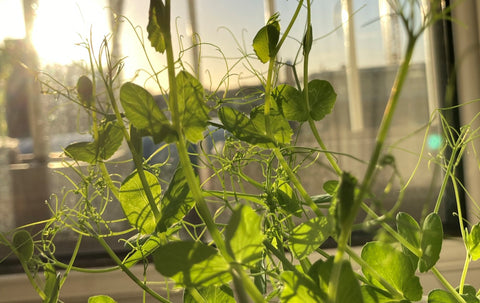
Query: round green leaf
(101,299)
(291,103)
(23,243)
(322,98)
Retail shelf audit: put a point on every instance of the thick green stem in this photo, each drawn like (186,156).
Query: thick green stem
(241,280)
(375,156)
(447,285)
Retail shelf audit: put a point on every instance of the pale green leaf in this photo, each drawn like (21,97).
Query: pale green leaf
(191,264)
(394,267)
(134,202)
(191,106)
(244,236)
(308,236)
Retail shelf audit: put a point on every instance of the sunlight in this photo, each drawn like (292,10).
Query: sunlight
(60,25)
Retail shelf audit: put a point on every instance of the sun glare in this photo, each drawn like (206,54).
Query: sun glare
(60,25)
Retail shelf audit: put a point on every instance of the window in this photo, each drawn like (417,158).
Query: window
(357,48)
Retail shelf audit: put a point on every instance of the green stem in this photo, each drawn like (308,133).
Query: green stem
(447,285)
(137,158)
(464,273)
(369,174)
(323,147)
(72,259)
(244,284)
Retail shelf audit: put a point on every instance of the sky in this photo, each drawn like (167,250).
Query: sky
(228,24)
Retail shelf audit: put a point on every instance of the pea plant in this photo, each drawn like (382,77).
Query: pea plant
(259,237)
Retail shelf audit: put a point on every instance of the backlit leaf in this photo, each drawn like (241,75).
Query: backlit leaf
(308,236)
(244,236)
(473,242)
(134,202)
(191,264)
(211,294)
(298,289)
(109,139)
(101,299)
(143,112)
(394,266)
(253,129)
(191,106)
(158,24)
(265,41)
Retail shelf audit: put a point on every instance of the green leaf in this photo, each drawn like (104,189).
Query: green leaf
(191,264)
(473,242)
(288,203)
(441,296)
(308,236)
(23,243)
(331,186)
(322,199)
(431,243)
(409,229)
(298,289)
(211,294)
(135,204)
(253,130)
(291,103)
(110,137)
(176,202)
(142,252)
(265,41)
(101,299)
(52,284)
(85,90)
(158,24)
(348,287)
(244,237)
(191,106)
(143,112)
(322,98)
(395,268)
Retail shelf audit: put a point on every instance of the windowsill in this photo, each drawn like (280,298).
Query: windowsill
(79,286)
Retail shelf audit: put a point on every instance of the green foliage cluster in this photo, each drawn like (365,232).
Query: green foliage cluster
(261,253)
